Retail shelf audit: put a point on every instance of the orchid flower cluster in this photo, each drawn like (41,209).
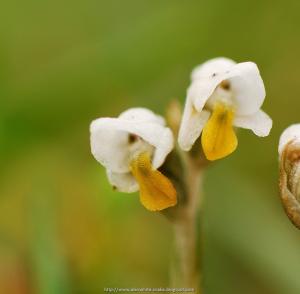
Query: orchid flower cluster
(133,147)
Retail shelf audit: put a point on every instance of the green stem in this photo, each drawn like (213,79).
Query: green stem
(187,272)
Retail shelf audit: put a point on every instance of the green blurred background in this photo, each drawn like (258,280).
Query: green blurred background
(65,63)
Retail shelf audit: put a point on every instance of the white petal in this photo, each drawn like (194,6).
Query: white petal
(247,86)
(163,140)
(205,79)
(124,182)
(292,133)
(260,123)
(212,67)
(142,114)
(202,89)
(110,146)
(191,125)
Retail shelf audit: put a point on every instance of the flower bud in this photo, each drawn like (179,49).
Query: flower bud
(289,178)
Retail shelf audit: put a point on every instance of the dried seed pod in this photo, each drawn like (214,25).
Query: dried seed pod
(289,181)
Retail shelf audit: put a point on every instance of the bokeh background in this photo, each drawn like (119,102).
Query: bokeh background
(62,64)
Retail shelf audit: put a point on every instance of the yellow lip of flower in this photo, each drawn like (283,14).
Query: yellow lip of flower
(218,137)
(156,190)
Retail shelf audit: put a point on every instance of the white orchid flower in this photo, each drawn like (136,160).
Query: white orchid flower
(223,94)
(132,147)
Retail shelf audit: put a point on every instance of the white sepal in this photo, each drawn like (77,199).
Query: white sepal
(260,123)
